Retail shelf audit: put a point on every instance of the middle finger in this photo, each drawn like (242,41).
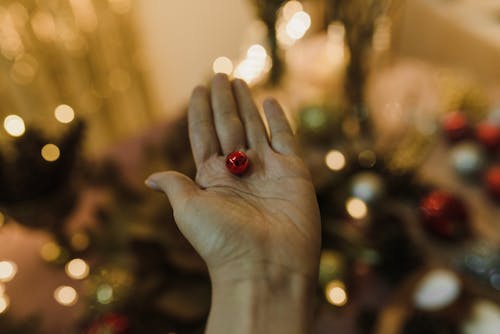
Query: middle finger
(227,121)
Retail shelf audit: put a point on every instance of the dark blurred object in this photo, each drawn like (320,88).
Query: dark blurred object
(456,126)
(444,215)
(36,192)
(422,323)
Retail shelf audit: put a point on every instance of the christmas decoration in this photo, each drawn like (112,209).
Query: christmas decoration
(367,186)
(467,158)
(437,290)
(488,134)
(492,181)
(444,215)
(456,126)
(111,324)
(237,162)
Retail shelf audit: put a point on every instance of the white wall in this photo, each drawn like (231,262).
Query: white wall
(183,37)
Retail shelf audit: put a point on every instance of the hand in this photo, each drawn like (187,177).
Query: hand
(264,223)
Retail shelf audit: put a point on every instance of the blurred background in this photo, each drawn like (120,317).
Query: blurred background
(396,105)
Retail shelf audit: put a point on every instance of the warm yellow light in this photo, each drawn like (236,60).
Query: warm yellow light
(85,14)
(77,269)
(290,8)
(2,289)
(64,113)
(223,65)
(381,39)
(335,293)
(8,270)
(66,295)
(256,51)
(104,294)
(50,152)
(24,69)
(298,25)
(120,6)
(335,160)
(2,219)
(4,303)
(14,125)
(356,208)
(256,63)
(119,80)
(79,241)
(43,26)
(50,251)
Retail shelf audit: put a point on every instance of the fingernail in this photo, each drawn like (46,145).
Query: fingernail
(239,82)
(220,76)
(152,184)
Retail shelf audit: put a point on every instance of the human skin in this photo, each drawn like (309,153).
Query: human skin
(259,233)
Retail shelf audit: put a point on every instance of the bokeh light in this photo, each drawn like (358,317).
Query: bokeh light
(257,52)
(43,25)
(356,208)
(24,69)
(77,269)
(64,113)
(335,293)
(290,8)
(4,303)
(80,241)
(255,65)
(8,270)
(438,289)
(50,152)
(66,295)
(50,251)
(104,294)
(14,125)
(335,160)
(298,25)
(223,65)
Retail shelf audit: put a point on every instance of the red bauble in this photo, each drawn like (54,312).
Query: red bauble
(111,323)
(444,214)
(492,180)
(456,126)
(237,162)
(488,134)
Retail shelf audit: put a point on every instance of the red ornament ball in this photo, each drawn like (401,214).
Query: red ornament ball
(456,126)
(488,134)
(111,323)
(444,214)
(237,162)
(492,180)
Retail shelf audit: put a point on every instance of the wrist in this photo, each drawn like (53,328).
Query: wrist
(263,298)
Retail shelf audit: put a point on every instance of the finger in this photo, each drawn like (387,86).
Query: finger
(178,187)
(227,122)
(202,133)
(252,122)
(282,138)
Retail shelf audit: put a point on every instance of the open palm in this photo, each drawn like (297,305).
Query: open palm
(267,218)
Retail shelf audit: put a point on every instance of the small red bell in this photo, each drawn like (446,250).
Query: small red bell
(237,162)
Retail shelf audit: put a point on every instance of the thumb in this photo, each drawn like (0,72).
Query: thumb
(178,187)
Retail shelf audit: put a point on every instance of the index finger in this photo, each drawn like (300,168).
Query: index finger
(202,133)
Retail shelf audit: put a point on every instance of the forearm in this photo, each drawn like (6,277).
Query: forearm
(275,304)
